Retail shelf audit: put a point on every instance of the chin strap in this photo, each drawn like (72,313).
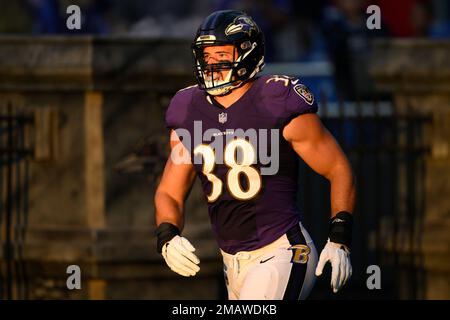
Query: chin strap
(228,89)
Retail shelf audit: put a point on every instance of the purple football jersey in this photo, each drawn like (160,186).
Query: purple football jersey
(248,171)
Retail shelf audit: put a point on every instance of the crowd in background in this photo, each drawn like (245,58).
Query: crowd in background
(296,30)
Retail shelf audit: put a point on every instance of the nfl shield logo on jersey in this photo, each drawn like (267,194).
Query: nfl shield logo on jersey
(222,117)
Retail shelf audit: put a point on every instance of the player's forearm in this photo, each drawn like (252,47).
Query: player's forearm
(343,191)
(168,210)
(342,205)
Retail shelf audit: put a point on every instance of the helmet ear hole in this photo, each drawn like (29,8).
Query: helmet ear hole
(246,45)
(241,72)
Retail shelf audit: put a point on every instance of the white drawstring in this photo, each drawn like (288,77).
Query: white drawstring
(236,265)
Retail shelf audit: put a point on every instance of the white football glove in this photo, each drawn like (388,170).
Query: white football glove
(178,253)
(339,257)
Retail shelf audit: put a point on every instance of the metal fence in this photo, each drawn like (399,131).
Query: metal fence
(14,180)
(387,151)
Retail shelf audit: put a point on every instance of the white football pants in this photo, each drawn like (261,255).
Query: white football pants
(283,269)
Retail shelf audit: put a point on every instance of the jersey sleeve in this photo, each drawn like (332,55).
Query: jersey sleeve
(299,100)
(286,98)
(177,111)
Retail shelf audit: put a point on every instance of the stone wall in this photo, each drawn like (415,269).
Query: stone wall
(100,97)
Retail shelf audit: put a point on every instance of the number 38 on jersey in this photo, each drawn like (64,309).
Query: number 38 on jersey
(235,169)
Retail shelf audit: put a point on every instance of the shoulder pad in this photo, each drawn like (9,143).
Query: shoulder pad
(178,107)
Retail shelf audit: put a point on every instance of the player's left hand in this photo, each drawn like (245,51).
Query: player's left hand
(339,257)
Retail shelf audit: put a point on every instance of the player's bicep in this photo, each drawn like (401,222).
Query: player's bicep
(176,180)
(179,173)
(314,143)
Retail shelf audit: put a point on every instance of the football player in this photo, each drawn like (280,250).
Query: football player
(216,135)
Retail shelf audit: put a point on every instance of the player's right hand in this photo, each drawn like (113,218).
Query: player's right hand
(179,256)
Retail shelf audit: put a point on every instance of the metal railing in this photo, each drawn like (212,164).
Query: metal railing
(14,182)
(387,151)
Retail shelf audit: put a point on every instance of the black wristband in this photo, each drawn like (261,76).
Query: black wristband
(165,232)
(341,228)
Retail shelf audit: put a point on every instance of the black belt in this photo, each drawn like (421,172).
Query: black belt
(295,235)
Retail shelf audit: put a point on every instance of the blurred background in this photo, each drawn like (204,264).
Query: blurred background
(83,142)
